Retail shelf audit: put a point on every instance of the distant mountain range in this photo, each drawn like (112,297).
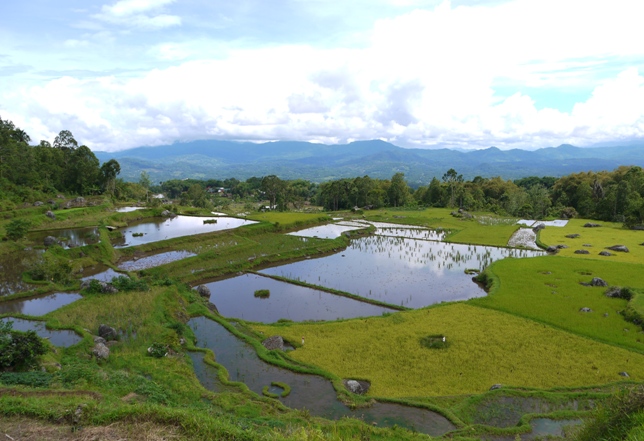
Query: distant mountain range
(378,159)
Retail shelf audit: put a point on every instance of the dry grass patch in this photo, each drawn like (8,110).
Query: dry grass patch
(485,347)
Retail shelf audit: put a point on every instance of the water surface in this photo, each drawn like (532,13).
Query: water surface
(39,305)
(170,228)
(307,391)
(12,266)
(235,297)
(128,209)
(68,237)
(154,260)
(328,231)
(58,338)
(400,271)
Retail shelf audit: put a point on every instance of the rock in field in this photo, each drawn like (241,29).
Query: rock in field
(572,236)
(597,281)
(605,253)
(274,342)
(359,387)
(582,252)
(620,248)
(107,332)
(591,225)
(203,291)
(101,351)
(585,309)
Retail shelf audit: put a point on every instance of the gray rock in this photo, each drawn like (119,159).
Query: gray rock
(620,248)
(101,351)
(552,249)
(496,386)
(168,213)
(587,245)
(99,340)
(582,252)
(79,200)
(60,196)
(591,225)
(597,281)
(49,241)
(538,228)
(585,309)
(107,288)
(50,214)
(359,387)
(38,203)
(203,291)
(572,236)
(562,246)
(637,227)
(107,332)
(624,374)
(274,342)
(605,253)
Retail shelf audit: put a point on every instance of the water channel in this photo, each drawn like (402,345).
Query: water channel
(39,305)
(235,297)
(311,392)
(400,271)
(146,231)
(68,237)
(58,338)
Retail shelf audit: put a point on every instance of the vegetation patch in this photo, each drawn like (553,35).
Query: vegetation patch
(262,293)
(435,341)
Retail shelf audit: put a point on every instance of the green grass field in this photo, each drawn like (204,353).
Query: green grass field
(485,347)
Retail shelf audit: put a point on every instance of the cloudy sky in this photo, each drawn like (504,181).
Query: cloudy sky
(417,73)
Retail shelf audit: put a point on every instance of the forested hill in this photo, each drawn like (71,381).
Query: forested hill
(378,159)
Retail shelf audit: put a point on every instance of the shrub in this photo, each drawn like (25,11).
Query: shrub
(17,228)
(616,417)
(157,350)
(124,283)
(19,350)
(51,268)
(31,379)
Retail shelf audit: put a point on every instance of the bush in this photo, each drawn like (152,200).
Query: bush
(17,229)
(157,350)
(124,283)
(31,379)
(616,417)
(19,350)
(262,293)
(51,268)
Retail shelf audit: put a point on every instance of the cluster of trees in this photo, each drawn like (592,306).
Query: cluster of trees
(63,166)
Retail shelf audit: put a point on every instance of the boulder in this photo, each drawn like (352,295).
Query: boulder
(572,236)
(591,225)
(38,203)
(60,196)
(620,248)
(168,213)
(605,253)
(359,387)
(101,351)
(614,292)
(100,340)
(582,252)
(624,374)
(552,249)
(585,309)
(49,241)
(496,386)
(597,281)
(50,214)
(274,342)
(107,332)
(538,228)
(562,246)
(78,201)
(203,291)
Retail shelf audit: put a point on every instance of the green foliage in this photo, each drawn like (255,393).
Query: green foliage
(124,283)
(52,267)
(262,293)
(434,341)
(616,418)
(19,350)
(31,379)
(158,350)
(17,228)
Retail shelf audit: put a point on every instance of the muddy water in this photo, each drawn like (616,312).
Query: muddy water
(170,228)
(11,268)
(154,260)
(58,338)
(69,237)
(307,391)
(39,305)
(400,271)
(235,297)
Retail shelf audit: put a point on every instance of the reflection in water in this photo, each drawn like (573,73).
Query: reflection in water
(68,238)
(235,297)
(155,260)
(58,338)
(128,209)
(101,273)
(329,231)
(307,391)
(162,229)
(11,268)
(40,305)
(407,272)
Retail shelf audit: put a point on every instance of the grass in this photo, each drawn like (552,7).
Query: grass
(547,289)
(486,347)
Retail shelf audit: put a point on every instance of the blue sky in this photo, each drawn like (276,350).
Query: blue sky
(417,73)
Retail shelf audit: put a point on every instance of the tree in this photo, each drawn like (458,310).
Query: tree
(65,141)
(145,182)
(109,171)
(398,191)
(19,350)
(84,171)
(17,229)
(274,188)
(452,179)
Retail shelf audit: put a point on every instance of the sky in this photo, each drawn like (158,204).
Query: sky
(416,73)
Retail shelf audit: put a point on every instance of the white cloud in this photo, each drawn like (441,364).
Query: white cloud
(134,13)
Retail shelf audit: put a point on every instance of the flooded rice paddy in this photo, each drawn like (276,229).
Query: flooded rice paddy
(12,266)
(524,237)
(155,260)
(311,392)
(153,231)
(128,209)
(235,297)
(38,305)
(400,271)
(534,223)
(68,237)
(58,338)
(328,231)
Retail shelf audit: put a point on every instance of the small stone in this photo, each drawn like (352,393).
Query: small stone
(274,342)
(572,236)
(562,246)
(624,374)
(496,386)
(582,252)
(605,253)
(49,241)
(587,245)
(585,309)
(538,228)
(107,332)
(597,281)
(591,225)
(99,340)
(552,249)
(50,214)
(38,203)
(203,291)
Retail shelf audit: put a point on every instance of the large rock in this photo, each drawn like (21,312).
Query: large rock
(168,213)
(38,203)
(582,252)
(591,225)
(101,351)
(50,214)
(274,342)
(597,281)
(572,236)
(605,253)
(585,309)
(106,288)
(359,387)
(552,249)
(496,386)
(538,228)
(107,332)
(49,241)
(203,291)
(620,248)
